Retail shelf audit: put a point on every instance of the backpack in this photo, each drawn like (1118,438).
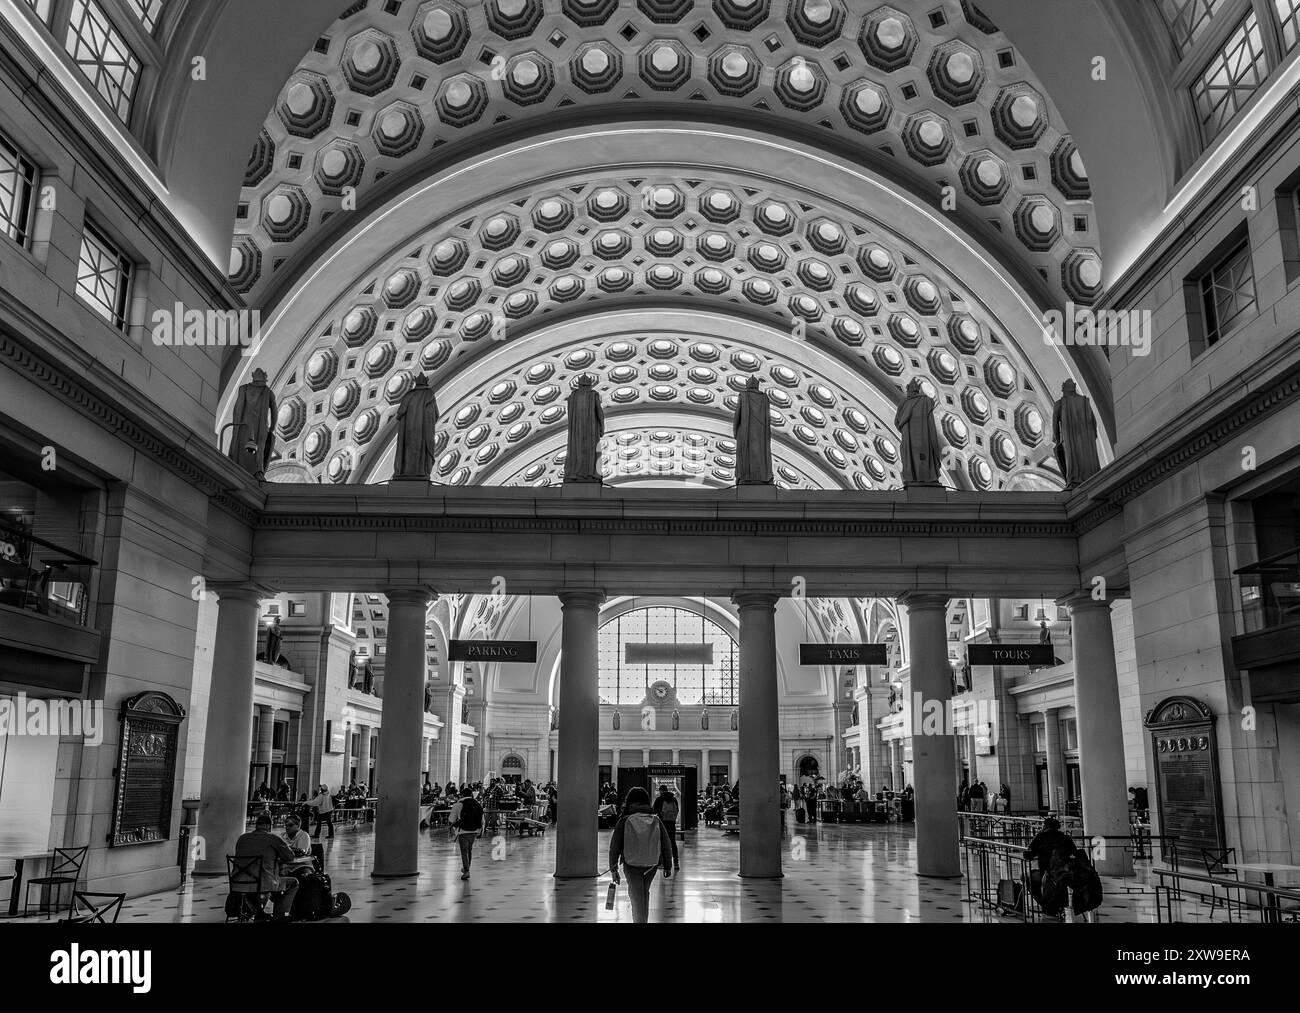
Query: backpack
(669,810)
(641,843)
(471,816)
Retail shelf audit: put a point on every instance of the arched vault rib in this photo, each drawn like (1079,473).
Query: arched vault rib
(932,98)
(881,303)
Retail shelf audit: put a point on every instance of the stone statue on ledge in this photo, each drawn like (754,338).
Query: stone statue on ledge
(417,420)
(753,431)
(922,450)
(586,427)
(253,440)
(1074,431)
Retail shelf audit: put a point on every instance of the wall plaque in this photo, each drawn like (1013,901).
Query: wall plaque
(146,770)
(1036,655)
(1186,756)
(843,654)
(493,650)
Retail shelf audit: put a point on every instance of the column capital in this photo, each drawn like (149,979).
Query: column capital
(410,596)
(918,601)
(239,592)
(580,597)
(756,599)
(1079,600)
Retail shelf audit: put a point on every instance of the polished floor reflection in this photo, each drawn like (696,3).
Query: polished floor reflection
(833,873)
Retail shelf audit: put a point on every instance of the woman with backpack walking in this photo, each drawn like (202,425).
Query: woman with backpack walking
(466,819)
(641,842)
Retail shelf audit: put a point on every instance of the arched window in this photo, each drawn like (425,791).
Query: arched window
(684,649)
(809,767)
(512,769)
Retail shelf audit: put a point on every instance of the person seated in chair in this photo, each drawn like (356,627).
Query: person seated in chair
(296,837)
(273,850)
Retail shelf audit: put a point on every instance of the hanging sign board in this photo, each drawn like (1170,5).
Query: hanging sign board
(1036,655)
(494,650)
(843,654)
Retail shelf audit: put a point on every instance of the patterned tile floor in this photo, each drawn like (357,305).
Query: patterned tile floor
(833,873)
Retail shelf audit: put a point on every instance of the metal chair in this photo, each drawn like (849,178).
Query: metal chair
(245,875)
(1215,865)
(95,908)
(65,870)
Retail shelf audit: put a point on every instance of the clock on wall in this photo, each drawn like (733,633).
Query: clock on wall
(660,690)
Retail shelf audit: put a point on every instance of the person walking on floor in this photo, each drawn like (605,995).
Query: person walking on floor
(640,841)
(466,819)
(324,806)
(666,808)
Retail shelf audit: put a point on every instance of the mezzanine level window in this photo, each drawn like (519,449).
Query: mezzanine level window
(1232,77)
(103,56)
(148,11)
(1228,294)
(103,276)
(1288,21)
(1188,20)
(42,9)
(17,193)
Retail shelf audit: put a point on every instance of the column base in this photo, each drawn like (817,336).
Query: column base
(394,875)
(576,875)
(938,875)
(760,875)
(197,873)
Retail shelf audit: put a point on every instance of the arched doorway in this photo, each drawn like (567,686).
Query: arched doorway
(809,767)
(512,769)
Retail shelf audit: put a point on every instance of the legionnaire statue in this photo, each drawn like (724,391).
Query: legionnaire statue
(1074,430)
(274,641)
(253,441)
(921,448)
(753,431)
(586,427)
(417,420)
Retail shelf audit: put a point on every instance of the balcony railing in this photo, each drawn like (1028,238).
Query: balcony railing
(39,576)
(1270,591)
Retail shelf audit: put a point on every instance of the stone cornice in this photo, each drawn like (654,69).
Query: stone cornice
(1189,440)
(198,463)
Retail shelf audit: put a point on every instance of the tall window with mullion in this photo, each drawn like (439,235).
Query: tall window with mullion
(1188,20)
(1288,22)
(1232,77)
(148,11)
(1228,293)
(42,9)
(103,276)
(17,193)
(103,55)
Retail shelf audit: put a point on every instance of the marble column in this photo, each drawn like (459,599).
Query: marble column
(733,771)
(397,813)
(1054,756)
(265,737)
(677,756)
(759,753)
(645,757)
(429,757)
(424,753)
(363,758)
(577,842)
(1101,736)
(228,735)
(933,749)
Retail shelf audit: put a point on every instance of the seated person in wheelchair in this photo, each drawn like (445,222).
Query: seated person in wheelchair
(273,849)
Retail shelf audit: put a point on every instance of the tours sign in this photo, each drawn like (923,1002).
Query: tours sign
(843,654)
(494,650)
(1033,655)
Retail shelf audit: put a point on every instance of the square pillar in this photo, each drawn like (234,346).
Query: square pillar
(579,736)
(759,753)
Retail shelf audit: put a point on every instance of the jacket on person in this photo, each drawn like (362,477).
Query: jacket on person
(466,817)
(668,802)
(273,850)
(1048,844)
(616,841)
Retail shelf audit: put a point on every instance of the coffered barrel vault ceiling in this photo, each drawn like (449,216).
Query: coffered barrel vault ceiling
(931,94)
(833,301)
